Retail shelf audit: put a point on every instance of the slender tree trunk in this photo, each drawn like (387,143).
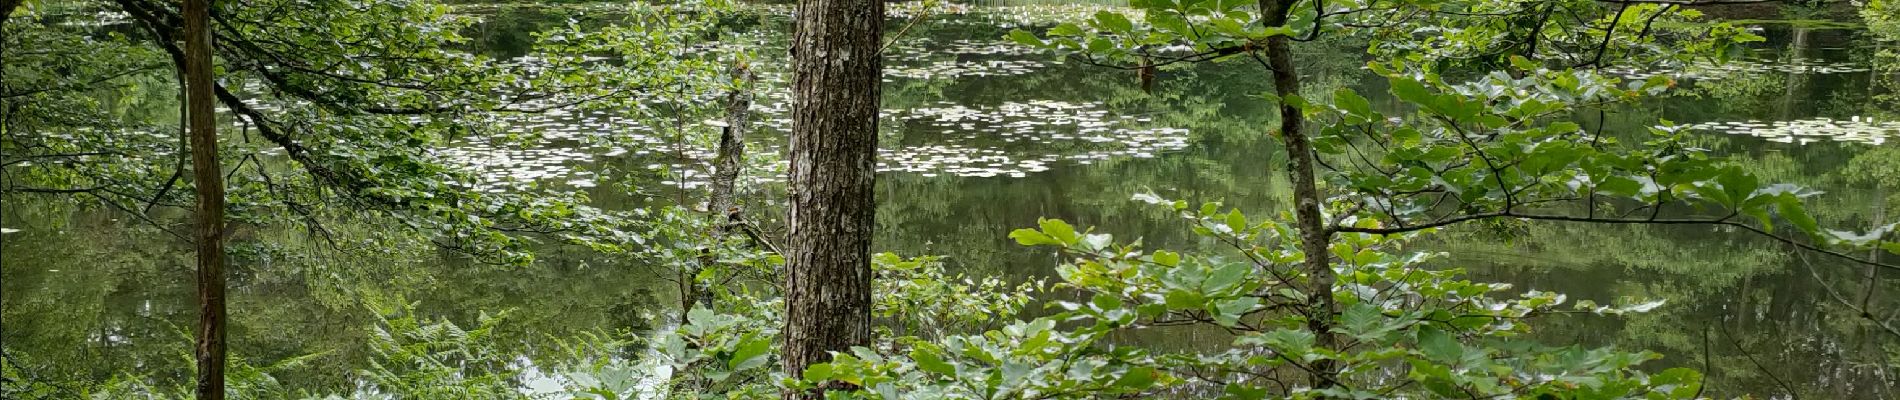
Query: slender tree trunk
(730,157)
(1871,273)
(728,162)
(836,70)
(210,185)
(1797,84)
(1314,235)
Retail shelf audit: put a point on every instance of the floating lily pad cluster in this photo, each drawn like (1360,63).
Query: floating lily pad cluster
(958,69)
(1011,139)
(1853,130)
(1017,138)
(923,59)
(503,168)
(922,49)
(1713,71)
(1044,14)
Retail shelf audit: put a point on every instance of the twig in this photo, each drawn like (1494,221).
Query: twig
(1758,365)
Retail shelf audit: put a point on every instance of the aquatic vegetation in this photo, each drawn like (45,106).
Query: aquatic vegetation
(1017,138)
(1710,71)
(1853,130)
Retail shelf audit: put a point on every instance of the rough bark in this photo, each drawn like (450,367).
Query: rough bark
(836,70)
(729,159)
(721,204)
(210,187)
(1314,236)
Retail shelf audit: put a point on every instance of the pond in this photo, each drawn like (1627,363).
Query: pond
(982,137)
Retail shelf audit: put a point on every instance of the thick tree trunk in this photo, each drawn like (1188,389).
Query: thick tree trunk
(836,70)
(1314,235)
(210,184)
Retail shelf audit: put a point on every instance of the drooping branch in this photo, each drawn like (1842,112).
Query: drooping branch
(1860,310)
(1727,221)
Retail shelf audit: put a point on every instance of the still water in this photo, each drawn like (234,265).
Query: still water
(982,137)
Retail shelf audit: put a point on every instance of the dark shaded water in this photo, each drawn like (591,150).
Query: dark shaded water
(983,138)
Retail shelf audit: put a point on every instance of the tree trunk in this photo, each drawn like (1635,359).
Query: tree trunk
(721,204)
(730,157)
(836,70)
(210,185)
(1314,235)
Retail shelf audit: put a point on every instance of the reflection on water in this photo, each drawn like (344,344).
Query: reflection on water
(980,138)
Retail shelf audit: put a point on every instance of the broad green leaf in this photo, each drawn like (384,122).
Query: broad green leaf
(751,354)
(1137,378)
(1226,277)
(818,372)
(1523,64)
(1025,38)
(1354,104)
(1183,299)
(928,360)
(1032,237)
(1113,22)
(1066,29)
(1411,91)
(1791,209)
(1059,230)
(1241,392)
(1440,346)
(1167,258)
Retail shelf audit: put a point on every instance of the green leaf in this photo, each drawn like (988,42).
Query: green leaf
(1738,184)
(1364,321)
(1097,241)
(1411,91)
(1183,299)
(818,372)
(1113,22)
(1032,237)
(1226,277)
(1137,378)
(1790,208)
(1440,346)
(1025,38)
(1105,301)
(1059,230)
(751,354)
(1620,186)
(1354,104)
(1066,29)
(1296,343)
(1242,392)
(1167,258)
(928,360)
(1522,63)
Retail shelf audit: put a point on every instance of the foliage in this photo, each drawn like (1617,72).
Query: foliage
(352,101)
(1463,148)
(423,358)
(1491,146)
(1454,338)
(1415,330)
